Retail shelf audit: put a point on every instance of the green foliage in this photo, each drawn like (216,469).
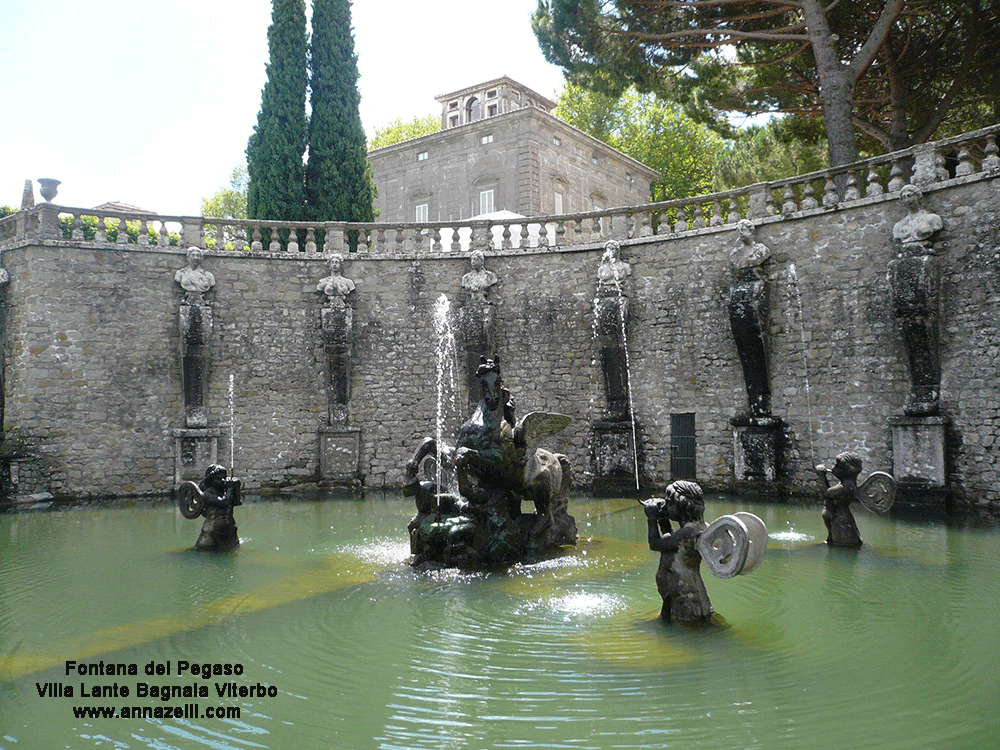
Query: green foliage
(887,73)
(398,131)
(338,181)
(650,130)
(89,226)
(274,152)
(7,211)
(766,153)
(231,202)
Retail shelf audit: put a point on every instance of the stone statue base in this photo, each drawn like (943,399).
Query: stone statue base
(757,445)
(614,455)
(918,456)
(194,449)
(340,456)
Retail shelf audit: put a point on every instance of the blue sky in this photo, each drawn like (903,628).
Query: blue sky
(151,103)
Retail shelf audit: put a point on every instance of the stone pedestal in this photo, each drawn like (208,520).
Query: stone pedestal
(757,445)
(339,455)
(194,451)
(195,324)
(918,453)
(614,455)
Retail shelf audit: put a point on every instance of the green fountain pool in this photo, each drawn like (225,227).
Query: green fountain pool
(892,646)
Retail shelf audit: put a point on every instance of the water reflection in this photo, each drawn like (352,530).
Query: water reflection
(819,647)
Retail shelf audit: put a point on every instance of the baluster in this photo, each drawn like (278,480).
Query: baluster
(682,222)
(874,188)
(436,237)
(992,160)
(381,239)
(769,209)
(275,246)
(595,227)
(699,217)
(525,236)
(809,197)
(362,240)
(399,240)
(293,240)
(310,240)
(560,234)
(830,197)
(456,240)
(662,223)
(77,233)
(644,223)
(418,239)
(145,227)
(896,176)
(851,192)
(505,242)
(164,239)
(965,165)
(940,173)
(543,235)
(122,231)
(788,205)
(716,220)
(101,235)
(240,238)
(257,245)
(924,166)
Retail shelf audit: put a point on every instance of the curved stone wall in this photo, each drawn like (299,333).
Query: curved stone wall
(93,384)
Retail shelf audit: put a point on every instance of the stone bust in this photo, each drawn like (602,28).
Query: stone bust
(336,286)
(613,270)
(194,279)
(748,254)
(478,281)
(914,232)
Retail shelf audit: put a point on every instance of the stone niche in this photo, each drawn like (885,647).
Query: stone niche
(918,456)
(194,449)
(339,451)
(614,457)
(757,445)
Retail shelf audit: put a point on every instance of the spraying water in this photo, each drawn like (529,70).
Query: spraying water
(232,426)
(793,278)
(609,257)
(446,358)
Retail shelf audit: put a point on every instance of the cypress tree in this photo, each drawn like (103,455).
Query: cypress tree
(338,180)
(276,147)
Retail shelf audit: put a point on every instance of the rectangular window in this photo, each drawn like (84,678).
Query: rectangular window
(486,202)
(491,93)
(557,140)
(559,202)
(491,111)
(420,213)
(486,139)
(422,156)
(453,105)
(453,121)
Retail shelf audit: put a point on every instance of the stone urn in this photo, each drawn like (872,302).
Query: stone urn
(49,187)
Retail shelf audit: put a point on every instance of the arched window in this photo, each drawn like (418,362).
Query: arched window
(472,110)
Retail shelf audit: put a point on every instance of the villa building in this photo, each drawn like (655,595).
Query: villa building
(501,150)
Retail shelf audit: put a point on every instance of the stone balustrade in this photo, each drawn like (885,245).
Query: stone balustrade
(968,156)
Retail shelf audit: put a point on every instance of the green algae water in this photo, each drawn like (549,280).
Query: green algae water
(317,634)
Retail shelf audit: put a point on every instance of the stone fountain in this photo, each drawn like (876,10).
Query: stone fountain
(196,444)
(918,435)
(756,433)
(615,438)
(499,466)
(340,444)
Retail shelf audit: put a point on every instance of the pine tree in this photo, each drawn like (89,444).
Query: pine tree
(338,180)
(275,149)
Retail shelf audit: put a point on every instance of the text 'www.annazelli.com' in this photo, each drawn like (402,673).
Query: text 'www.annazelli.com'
(187,711)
